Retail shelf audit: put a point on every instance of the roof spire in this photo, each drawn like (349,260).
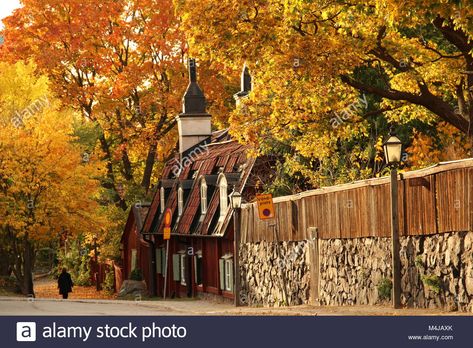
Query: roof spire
(192,71)
(245,79)
(245,83)
(194,123)
(193,101)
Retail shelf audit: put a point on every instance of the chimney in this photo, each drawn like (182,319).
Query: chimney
(245,83)
(194,122)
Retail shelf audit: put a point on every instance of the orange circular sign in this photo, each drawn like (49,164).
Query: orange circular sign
(167,218)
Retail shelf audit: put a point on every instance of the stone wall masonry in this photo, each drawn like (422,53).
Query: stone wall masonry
(351,269)
(436,271)
(266,266)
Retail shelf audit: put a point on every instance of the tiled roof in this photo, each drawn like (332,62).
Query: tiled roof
(220,155)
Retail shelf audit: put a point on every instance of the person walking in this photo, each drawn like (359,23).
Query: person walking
(64,283)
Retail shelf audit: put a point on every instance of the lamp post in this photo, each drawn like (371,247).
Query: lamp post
(235,200)
(392,153)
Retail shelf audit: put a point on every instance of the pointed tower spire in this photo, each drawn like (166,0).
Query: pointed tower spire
(193,123)
(245,84)
(192,71)
(193,101)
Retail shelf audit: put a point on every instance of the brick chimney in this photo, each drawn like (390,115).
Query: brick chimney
(194,122)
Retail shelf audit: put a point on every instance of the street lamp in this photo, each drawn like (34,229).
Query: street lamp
(392,149)
(392,153)
(235,200)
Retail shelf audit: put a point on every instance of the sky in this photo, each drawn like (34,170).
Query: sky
(7,7)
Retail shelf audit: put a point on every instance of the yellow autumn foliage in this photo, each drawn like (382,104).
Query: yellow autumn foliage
(46,187)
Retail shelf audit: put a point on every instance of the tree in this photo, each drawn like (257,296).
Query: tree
(314,64)
(46,187)
(121,64)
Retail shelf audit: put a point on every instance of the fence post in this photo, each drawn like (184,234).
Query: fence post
(314,267)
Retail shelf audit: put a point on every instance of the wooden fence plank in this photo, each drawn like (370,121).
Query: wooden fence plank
(436,202)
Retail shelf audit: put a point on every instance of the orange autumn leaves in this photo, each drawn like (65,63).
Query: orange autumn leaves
(122,65)
(48,289)
(426,150)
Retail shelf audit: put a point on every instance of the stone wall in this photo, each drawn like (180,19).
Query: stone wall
(436,271)
(268,267)
(351,269)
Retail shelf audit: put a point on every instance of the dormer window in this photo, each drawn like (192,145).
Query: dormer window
(162,203)
(180,201)
(223,189)
(203,196)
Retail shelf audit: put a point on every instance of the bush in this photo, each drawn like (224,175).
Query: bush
(109,283)
(83,276)
(418,261)
(433,282)
(136,274)
(384,289)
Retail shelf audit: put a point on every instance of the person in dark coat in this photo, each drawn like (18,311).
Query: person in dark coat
(64,283)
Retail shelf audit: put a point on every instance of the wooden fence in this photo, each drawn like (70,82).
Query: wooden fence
(432,200)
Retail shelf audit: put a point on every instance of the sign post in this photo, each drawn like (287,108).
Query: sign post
(166,237)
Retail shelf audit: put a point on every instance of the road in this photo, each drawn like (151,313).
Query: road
(27,307)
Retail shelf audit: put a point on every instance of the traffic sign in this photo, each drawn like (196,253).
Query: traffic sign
(167,224)
(167,233)
(265,206)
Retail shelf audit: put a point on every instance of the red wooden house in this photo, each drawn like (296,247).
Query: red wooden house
(135,250)
(195,186)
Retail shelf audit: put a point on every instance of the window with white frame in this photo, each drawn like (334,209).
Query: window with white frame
(229,274)
(226,273)
(162,199)
(223,188)
(203,196)
(180,201)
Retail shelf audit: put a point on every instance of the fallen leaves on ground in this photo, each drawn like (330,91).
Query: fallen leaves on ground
(48,289)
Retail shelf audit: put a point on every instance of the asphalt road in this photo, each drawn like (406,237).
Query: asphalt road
(26,307)
(23,306)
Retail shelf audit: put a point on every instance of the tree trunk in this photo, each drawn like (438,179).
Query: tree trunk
(150,160)
(26,281)
(111,184)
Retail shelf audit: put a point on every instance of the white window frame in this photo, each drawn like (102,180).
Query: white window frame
(203,196)
(228,274)
(223,188)
(162,193)
(180,201)
(182,265)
